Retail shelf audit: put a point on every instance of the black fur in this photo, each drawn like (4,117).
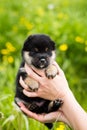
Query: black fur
(39,50)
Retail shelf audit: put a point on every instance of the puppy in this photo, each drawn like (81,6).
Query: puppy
(38,52)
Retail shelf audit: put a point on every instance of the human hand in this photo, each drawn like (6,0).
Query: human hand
(50,89)
(45,118)
(53,89)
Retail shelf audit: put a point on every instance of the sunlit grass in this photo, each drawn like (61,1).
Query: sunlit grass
(65,22)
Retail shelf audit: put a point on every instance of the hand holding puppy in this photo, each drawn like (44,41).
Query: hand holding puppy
(70,112)
(49,89)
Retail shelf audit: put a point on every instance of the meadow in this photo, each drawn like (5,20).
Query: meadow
(66,23)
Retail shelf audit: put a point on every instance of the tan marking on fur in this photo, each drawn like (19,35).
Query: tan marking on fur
(50,106)
(27,58)
(36,49)
(31,83)
(51,71)
(46,49)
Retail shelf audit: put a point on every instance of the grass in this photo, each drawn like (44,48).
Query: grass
(65,22)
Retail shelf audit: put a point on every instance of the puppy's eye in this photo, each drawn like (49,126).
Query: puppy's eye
(46,49)
(36,49)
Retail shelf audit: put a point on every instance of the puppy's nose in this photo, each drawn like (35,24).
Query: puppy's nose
(42,61)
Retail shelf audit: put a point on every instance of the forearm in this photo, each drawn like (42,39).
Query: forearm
(74,113)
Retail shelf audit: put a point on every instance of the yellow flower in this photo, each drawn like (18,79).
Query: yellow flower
(61,127)
(4,52)
(28,25)
(63,47)
(60,15)
(22,20)
(10,59)
(40,11)
(10,47)
(79,39)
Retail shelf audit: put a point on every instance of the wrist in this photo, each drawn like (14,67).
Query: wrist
(74,113)
(64,94)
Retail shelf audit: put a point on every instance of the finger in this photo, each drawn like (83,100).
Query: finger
(20,104)
(52,117)
(32,74)
(58,67)
(30,94)
(39,72)
(46,118)
(38,117)
(23,84)
(32,115)
(60,71)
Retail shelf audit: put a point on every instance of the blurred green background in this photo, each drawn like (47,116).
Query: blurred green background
(66,23)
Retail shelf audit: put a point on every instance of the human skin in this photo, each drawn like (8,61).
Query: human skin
(70,112)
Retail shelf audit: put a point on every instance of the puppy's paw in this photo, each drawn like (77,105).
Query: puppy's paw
(32,84)
(33,107)
(51,72)
(55,105)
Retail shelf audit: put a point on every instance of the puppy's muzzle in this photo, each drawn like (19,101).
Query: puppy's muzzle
(42,63)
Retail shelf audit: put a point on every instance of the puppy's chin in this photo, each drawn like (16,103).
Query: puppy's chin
(40,65)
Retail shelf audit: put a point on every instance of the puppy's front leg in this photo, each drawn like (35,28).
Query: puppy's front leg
(31,83)
(51,72)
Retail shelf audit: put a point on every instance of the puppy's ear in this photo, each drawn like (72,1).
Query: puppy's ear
(52,45)
(29,37)
(27,43)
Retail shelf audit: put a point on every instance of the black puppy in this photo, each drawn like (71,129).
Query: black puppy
(39,52)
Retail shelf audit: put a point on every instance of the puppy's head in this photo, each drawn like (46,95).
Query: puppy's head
(38,50)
